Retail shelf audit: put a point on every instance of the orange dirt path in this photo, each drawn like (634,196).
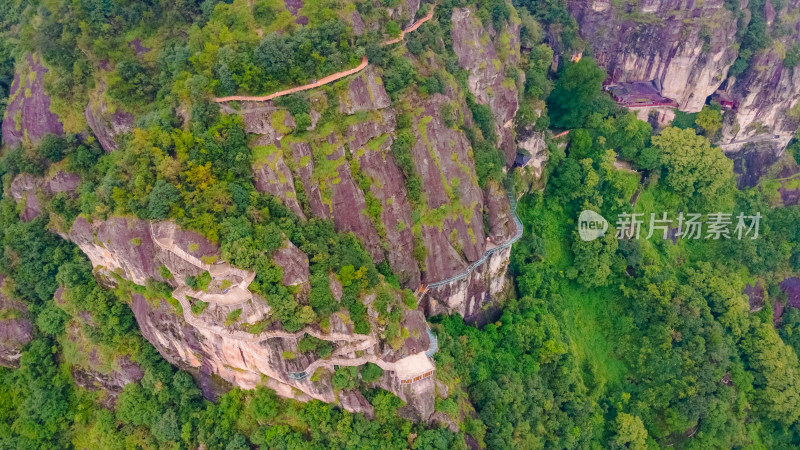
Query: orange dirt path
(329,78)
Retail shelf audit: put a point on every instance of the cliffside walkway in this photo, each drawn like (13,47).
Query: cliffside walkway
(460,276)
(330,78)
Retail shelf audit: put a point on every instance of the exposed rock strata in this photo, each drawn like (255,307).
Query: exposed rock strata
(107,121)
(16,329)
(220,353)
(475,47)
(28,117)
(686,48)
(26,190)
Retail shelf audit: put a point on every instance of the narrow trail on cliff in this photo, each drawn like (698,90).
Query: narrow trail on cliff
(460,276)
(330,78)
(347,343)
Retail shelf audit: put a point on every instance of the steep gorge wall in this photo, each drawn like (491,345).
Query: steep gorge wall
(319,166)
(219,352)
(688,49)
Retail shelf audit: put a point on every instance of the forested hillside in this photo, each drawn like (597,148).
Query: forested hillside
(390,255)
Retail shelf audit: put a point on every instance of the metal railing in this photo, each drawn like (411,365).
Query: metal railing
(513,201)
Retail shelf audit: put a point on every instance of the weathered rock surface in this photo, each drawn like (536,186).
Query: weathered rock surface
(204,342)
(767,96)
(404,12)
(273,176)
(346,172)
(442,159)
(365,92)
(467,297)
(753,162)
(355,402)
(27,189)
(93,373)
(105,121)
(16,329)
(476,50)
(28,116)
(686,48)
(294,264)
(370,145)
(755,295)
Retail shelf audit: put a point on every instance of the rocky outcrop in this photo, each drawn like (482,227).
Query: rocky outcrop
(364,92)
(224,334)
(119,245)
(756,160)
(28,117)
(370,145)
(26,190)
(273,176)
(16,329)
(686,48)
(107,121)
(467,297)
(97,372)
(452,232)
(294,264)
(348,173)
(767,97)
(404,12)
(501,225)
(487,53)
(355,402)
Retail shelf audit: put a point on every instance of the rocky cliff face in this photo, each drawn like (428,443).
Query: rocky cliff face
(107,121)
(347,172)
(28,117)
(488,54)
(767,98)
(27,189)
(16,330)
(687,47)
(343,169)
(198,334)
(96,372)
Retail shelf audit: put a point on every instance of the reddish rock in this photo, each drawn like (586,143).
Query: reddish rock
(301,152)
(389,188)
(15,331)
(274,177)
(107,125)
(355,402)
(755,295)
(357,23)
(487,79)
(27,188)
(791,286)
(348,207)
(28,112)
(137,46)
(364,92)
(442,154)
(118,244)
(293,262)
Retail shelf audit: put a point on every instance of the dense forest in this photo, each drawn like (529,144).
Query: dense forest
(645,342)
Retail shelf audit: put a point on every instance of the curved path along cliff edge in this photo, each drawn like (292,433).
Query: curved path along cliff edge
(460,276)
(330,78)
